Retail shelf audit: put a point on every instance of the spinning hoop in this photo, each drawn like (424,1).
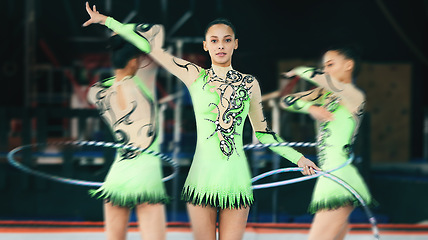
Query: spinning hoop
(295,180)
(281,144)
(327,174)
(367,210)
(174,164)
(13,162)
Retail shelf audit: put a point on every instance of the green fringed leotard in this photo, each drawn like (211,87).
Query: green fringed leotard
(134,177)
(222,99)
(334,138)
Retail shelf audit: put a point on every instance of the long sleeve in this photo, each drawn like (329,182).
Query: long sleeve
(351,96)
(300,102)
(263,133)
(186,71)
(128,32)
(145,37)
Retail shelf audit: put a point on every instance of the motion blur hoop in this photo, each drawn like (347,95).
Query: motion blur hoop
(22,167)
(295,180)
(327,174)
(175,166)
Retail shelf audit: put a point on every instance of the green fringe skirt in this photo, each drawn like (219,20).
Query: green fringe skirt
(218,182)
(329,194)
(131,182)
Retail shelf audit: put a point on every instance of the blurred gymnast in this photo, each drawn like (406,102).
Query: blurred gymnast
(337,106)
(126,102)
(219,180)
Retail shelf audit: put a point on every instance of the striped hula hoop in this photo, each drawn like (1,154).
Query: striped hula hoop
(20,166)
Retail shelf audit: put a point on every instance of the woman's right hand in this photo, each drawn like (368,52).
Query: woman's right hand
(96,17)
(308,167)
(321,114)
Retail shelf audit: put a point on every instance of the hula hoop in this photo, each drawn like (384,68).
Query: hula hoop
(327,174)
(13,162)
(296,180)
(369,213)
(281,144)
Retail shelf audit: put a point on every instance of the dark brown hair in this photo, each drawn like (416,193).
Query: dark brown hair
(220,21)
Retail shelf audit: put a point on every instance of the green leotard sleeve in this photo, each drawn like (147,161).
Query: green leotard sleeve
(293,103)
(182,69)
(321,79)
(127,32)
(305,72)
(301,101)
(284,151)
(351,97)
(263,134)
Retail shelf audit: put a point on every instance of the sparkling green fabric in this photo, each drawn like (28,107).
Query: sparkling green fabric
(335,138)
(134,177)
(332,138)
(134,181)
(284,151)
(127,32)
(214,178)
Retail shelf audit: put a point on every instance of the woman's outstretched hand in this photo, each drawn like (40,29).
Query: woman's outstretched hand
(308,166)
(96,17)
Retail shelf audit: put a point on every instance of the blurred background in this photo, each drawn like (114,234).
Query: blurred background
(47,62)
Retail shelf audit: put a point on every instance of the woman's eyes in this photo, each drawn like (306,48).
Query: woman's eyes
(215,40)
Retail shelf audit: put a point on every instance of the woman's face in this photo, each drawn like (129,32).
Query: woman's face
(220,43)
(336,65)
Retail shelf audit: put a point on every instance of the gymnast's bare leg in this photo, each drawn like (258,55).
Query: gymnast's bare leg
(330,224)
(203,220)
(116,221)
(151,218)
(232,223)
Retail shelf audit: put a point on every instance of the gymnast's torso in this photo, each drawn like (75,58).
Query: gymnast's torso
(345,101)
(222,99)
(128,108)
(334,138)
(220,171)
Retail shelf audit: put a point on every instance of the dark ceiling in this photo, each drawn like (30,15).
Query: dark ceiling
(287,29)
(268,30)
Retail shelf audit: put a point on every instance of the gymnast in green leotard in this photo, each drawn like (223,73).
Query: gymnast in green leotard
(127,104)
(337,106)
(219,179)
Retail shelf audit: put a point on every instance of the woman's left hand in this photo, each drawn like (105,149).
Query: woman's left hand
(96,17)
(308,166)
